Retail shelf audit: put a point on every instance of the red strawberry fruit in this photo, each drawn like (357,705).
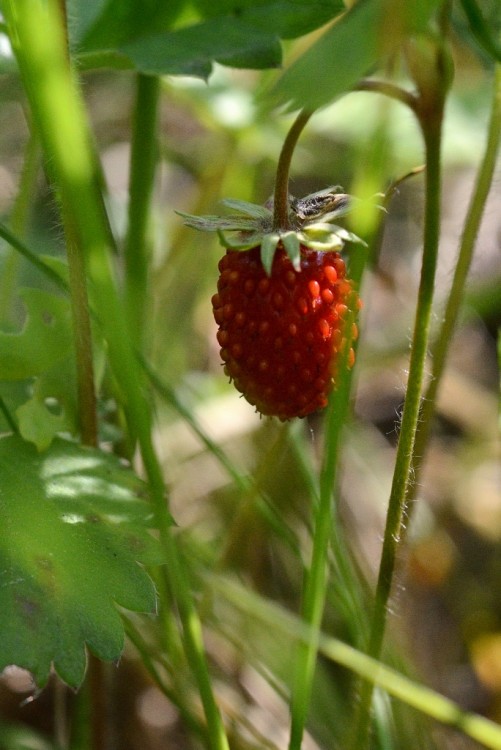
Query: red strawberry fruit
(283,304)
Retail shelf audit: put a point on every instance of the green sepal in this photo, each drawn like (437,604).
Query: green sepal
(215,223)
(252,209)
(268,247)
(322,236)
(292,246)
(250,241)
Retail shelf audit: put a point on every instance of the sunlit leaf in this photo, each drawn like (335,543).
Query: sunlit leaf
(73,532)
(348,50)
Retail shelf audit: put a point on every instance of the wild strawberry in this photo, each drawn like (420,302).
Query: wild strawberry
(282,304)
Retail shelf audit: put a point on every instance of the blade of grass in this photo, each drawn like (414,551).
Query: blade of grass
(314,589)
(418,696)
(247,485)
(143,162)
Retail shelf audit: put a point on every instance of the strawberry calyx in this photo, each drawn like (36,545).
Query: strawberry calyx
(309,225)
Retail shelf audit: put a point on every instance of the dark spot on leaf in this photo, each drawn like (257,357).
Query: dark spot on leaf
(44,563)
(92,518)
(29,611)
(134,544)
(47,318)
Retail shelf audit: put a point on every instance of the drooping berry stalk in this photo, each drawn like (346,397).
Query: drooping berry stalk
(281,204)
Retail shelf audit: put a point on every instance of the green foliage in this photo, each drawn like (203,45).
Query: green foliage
(251,498)
(337,60)
(243,35)
(44,340)
(73,531)
(19,737)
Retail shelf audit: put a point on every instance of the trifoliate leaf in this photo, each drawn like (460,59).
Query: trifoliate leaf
(73,530)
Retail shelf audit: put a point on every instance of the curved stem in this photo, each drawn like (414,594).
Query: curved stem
(281,196)
(390,90)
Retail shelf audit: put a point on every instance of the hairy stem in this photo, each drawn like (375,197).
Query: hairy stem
(281,195)
(470,231)
(431,125)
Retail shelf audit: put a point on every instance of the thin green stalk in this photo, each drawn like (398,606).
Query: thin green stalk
(429,702)
(467,245)
(143,162)
(281,195)
(82,334)
(247,486)
(431,125)
(149,662)
(314,589)
(54,97)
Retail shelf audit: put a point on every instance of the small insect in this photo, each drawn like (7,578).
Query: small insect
(319,205)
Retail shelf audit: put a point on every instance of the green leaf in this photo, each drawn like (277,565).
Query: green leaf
(482,29)
(73,529)
(286,18)
(45,338)
(241,34)
(52,408)
(193,49)
(105,24)
(348,50)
